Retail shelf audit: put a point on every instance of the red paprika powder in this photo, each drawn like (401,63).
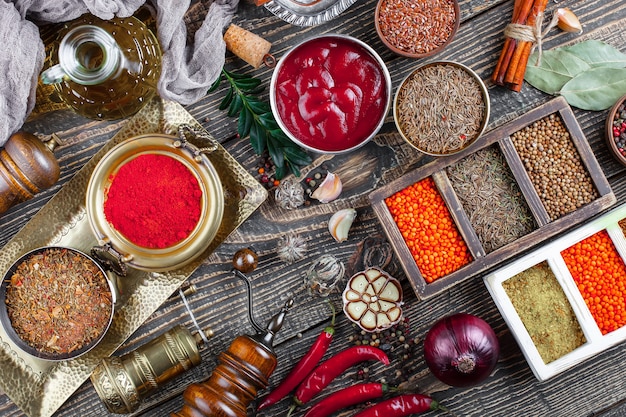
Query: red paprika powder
(154,200)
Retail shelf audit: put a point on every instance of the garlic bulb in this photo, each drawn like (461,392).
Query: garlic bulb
(373,300)
(340,223)
(329,189)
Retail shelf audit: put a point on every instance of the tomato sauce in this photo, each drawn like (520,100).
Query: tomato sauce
(331,93)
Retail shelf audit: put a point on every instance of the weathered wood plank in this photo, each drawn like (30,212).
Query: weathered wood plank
(221,301)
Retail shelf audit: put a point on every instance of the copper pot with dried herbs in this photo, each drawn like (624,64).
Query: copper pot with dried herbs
(56,303)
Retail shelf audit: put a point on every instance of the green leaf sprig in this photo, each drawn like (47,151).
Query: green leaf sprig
(257,121)
(591,75)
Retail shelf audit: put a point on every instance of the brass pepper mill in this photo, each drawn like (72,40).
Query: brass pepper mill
(243,370)
(122,382)
(27,167)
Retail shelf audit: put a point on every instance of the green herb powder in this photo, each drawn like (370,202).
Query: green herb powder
(545,311)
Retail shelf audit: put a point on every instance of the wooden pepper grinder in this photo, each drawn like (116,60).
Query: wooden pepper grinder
(243,370)
(27,167)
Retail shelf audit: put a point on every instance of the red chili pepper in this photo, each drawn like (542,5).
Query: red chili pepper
(347,397)
(401,406)
(302,368)
(335,366)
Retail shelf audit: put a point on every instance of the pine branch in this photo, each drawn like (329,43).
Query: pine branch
(256,121)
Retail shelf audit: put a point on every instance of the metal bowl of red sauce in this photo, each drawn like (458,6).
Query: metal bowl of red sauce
(56,303)
(331,94)
(155,203)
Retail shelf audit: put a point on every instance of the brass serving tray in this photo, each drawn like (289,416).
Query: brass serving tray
(39,387)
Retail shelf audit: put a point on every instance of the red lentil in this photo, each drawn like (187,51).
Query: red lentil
(428,230)
(600,274)
(417,27)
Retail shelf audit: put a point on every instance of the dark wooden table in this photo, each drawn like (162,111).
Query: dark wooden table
(594,388)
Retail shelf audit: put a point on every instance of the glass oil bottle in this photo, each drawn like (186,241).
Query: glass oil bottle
(104,69)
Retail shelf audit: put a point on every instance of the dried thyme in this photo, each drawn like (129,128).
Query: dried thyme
(440,108)
(491,198)
(58,301)
(545,311)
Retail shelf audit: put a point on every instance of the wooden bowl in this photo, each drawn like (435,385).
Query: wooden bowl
(616,145)
(411,24)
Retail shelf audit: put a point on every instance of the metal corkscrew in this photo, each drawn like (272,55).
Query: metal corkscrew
(243,369)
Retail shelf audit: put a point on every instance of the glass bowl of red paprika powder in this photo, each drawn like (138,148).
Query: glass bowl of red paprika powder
(156,202)
(330,94)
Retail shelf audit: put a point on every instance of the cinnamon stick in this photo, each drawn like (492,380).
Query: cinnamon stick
(507,41)
(515,74)
(521,11)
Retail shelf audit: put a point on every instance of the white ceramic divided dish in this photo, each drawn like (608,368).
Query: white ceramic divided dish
(596,342)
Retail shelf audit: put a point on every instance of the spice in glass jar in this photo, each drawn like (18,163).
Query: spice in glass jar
(58,301)
(154,200)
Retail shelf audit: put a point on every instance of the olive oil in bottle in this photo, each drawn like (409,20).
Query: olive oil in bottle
(105,69)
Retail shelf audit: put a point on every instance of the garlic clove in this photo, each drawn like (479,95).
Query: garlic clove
(329,189)
(340,223)
(373,300)
(567,21)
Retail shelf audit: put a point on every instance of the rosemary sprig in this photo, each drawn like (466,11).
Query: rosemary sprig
(257,121)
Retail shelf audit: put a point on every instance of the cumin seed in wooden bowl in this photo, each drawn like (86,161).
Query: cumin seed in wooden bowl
(441,108)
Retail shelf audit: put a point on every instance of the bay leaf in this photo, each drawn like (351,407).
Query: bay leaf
(597,54)
(556,68)
(595,89)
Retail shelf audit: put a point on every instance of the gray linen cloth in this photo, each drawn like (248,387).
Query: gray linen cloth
(187,69)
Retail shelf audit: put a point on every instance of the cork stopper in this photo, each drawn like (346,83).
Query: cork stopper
(246,45)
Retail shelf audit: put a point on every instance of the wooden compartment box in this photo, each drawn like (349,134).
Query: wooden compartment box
(538,327)
(544,211)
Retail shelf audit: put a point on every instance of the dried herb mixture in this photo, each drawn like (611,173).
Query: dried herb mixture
(58,301)
(545,311)
(491,198)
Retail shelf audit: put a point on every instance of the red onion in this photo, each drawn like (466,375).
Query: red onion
(461,349)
